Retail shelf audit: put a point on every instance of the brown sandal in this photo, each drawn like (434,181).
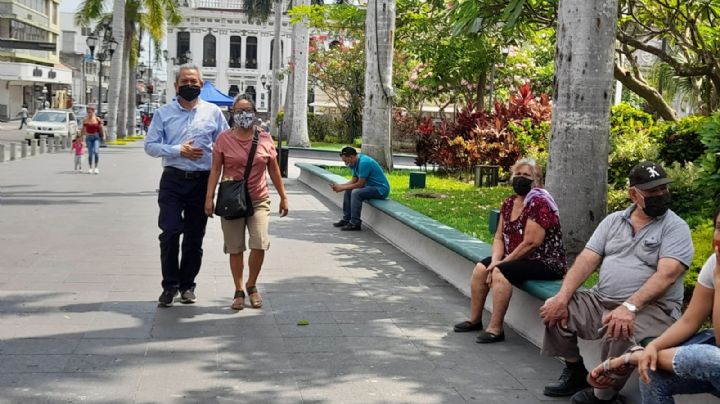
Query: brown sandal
(254,296)
(238,300)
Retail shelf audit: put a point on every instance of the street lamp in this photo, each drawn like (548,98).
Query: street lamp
(101,57)
(91,42)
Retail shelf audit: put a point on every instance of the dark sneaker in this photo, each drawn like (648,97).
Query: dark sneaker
(340,223)
(572,380)
(167,297)
(188,297)
(587,396)
(351,227)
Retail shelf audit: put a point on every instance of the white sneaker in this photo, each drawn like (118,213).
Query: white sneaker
(97,170)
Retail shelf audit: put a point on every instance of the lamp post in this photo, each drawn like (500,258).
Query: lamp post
(282,155)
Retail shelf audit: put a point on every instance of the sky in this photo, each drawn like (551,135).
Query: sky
(69,5)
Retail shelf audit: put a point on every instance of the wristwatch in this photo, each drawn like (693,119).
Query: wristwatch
(633,309)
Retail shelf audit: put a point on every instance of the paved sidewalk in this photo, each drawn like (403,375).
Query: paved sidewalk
(79,279)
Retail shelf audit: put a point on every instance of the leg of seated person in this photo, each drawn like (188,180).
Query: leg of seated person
(478,292)
(501,292)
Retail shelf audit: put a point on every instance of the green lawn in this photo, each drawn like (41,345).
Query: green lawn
(461,206)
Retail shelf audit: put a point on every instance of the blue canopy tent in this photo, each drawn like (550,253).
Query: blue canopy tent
(211,94)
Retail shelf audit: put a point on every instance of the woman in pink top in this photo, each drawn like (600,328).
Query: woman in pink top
(230,157)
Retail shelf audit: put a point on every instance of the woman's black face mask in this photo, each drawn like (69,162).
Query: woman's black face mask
(521,185)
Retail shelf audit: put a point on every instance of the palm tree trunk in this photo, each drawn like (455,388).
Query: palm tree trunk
(118,29)
(124,90)
(275,106)
(298,121)
(578,164)
(376,125)
(289,107)
(131,101)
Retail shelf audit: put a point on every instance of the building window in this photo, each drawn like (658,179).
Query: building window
(24,32)
(85,31)
(250,90)
(233,91)
(235,50)
(209,50)
(282,49)
(183,45)
(251,53)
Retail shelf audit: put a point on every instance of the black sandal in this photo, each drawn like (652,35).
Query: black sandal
(467,326)
(488,338)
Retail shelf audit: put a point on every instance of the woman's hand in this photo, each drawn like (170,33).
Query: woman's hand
(648,360)
(490,268)
(283,207)
(209,207)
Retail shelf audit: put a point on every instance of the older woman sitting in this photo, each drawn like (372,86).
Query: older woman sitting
(528,245)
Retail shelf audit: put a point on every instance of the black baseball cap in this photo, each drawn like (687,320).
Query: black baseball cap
(648,175)
(348,151)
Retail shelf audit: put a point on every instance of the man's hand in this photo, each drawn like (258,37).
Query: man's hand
(620,323)
(554,311)
(283,207)
(190,152)
(336,187)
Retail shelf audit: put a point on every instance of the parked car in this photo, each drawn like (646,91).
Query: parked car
(51,123)
(80,111)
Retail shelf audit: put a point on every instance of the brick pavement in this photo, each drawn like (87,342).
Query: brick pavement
(79,279)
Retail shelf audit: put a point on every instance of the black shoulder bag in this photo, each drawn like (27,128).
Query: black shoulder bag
(233,199)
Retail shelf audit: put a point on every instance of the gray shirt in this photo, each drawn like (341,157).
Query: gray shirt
(629,260)
(706,276)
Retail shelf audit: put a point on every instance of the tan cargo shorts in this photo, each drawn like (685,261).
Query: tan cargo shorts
(257,226)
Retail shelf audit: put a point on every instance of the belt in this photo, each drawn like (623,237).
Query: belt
(187,175)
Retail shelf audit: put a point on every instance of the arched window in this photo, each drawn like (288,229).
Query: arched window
(250,90)
(209,51)
(235,52)
(251,52)
(183,46)
(234,90)
(282,49)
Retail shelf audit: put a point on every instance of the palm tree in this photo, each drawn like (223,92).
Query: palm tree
(296,110)
(379,29)
(578,164)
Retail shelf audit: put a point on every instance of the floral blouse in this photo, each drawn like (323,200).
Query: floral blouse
(552,250)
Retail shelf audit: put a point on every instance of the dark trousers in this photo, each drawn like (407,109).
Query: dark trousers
(182,202)
(23,122)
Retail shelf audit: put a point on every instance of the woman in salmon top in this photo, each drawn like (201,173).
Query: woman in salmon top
(92,130)
(230,156)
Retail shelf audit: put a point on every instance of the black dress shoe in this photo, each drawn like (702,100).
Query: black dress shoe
(467,326)
(587,396)
(572,380)
(351,227)
(340,223)
(488,338)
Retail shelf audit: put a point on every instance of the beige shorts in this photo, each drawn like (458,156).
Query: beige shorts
(257,225)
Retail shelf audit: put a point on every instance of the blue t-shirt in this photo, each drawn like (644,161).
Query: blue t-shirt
(370,170)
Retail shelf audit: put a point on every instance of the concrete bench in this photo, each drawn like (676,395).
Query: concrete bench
(452,255)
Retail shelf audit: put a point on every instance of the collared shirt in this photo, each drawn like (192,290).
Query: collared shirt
(172,125)
(629,259)
(366,167)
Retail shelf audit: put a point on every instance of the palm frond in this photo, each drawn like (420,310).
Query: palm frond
(259,10)
(88,11)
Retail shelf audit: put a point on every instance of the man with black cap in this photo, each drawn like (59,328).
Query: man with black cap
(368,182)
(641,255)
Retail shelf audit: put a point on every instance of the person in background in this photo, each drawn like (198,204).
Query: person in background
(23,114)
(182,133)
(368,182)
(230,158)
(527,245)
(93,131)
(77,150)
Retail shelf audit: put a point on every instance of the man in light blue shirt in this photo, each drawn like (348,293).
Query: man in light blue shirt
(368,182)
(182,133)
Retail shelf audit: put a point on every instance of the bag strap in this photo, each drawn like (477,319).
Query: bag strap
(251,156)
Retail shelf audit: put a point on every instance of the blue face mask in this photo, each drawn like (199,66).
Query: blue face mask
(244,119)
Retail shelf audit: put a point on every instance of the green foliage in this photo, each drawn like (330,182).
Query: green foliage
(465,207)
(321,127)
(630,142)
(710,164)
(680,141)
(688,197)
(618,199)
(702,237)
(279,118)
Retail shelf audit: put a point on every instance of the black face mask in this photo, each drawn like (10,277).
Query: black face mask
(189,92)
(657,205)
(521,185)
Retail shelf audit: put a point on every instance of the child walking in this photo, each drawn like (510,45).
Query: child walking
(77,150)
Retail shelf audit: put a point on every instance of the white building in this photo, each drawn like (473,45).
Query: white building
(30,77)
(233,53)
(75,54)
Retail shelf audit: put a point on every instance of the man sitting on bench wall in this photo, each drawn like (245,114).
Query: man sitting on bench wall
(641,255)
